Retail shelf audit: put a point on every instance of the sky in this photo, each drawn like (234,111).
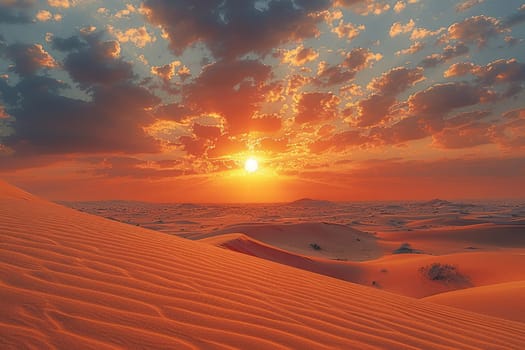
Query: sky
(349,100)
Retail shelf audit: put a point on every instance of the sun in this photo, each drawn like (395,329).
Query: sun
(251,165)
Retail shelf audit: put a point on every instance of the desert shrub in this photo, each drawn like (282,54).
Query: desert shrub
(315,246)
(406,248)
(441,272)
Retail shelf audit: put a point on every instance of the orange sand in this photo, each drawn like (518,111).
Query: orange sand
(72,280)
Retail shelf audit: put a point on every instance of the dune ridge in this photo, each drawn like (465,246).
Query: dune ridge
(73,280)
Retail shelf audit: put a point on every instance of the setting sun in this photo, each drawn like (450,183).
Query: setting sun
(251,165)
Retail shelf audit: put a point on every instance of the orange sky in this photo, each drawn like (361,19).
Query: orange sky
(338,99)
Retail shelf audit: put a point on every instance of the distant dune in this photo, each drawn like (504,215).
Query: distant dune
(70,280)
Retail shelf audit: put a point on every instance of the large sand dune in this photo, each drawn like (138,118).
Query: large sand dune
(70,280)
(502,300)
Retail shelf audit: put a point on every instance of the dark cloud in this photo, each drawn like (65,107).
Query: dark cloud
(374,109)
(500,71)
(45,121)
(440,99)
(27,58)
(354,61)
(16,11)
(509,72)
(377,107)
(449,52)
(396,80)
(316,107)
(232,28)
(173,111)
(475,30)
(465,136)
(48,123)
(92,60)
(68,44)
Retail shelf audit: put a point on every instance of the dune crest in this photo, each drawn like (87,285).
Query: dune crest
(73,280)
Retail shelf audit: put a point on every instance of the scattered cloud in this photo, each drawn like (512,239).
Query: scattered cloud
(467,4)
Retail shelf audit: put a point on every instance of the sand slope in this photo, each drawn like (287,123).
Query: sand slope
(502,300)
(72,280)
(336,241)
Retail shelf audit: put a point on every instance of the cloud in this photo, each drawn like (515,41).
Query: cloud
(16,11)
(377,107)
(511,133)
(43,16)
(354,61)
(365,7)
(173,111)
(28,58)
(230,28)
(439,99)
(396,80)
(231,89)
(470,135)
(459,69)
(91,60)
(449,52)
(467,4)
(338,142)
(422,33)
(206,131)
(398,28)
(496,72)
(399,6)
(477,30)
(348,31)
(374,109)
(414,48)
(299,56)
(140,36)
(59,3)
(316,107)
(269,123)
(48,122)
(165,72)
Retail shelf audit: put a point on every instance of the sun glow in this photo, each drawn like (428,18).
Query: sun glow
(251,165)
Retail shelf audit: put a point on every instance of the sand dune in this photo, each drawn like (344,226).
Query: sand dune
(502,300)
(399,274)
(334,241)
(72,280)
(456,239)
(238,242)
